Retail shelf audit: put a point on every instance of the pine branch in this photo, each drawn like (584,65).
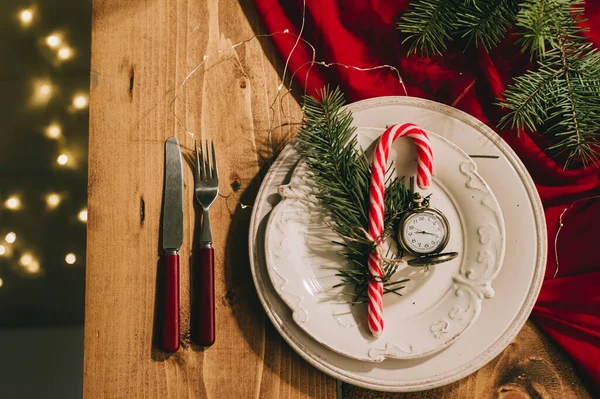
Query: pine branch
(429,25)
(342,172)
(486,24)
(562,97)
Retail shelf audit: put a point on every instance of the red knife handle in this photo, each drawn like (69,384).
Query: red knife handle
(170,328)
(205,319)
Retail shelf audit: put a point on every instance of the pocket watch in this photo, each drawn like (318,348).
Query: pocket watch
(424,232)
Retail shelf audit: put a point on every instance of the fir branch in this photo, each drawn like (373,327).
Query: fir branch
(542,25)
(562,97)
(429,25)
(342,172)
(486,23)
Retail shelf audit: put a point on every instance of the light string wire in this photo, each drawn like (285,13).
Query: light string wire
(279,97)
(561,224)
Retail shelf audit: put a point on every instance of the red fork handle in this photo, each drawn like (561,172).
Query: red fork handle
(205,283)
(170,330)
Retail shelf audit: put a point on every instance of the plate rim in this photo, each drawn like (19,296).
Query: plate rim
(538,273)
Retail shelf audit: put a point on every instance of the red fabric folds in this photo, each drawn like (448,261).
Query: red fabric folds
(362,33)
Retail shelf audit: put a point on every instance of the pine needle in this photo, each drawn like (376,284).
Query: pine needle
(342,172)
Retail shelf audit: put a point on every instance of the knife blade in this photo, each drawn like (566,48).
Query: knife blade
(172,239)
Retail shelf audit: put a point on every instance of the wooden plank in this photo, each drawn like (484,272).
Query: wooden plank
(141,51)
(530,367)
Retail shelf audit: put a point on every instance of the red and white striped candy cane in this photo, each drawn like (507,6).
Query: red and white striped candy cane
(376,206)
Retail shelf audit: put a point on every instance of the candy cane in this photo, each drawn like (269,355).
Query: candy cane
(376,206)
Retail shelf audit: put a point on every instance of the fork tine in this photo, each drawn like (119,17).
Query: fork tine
(196,162)
(202,163)
(207,162)
(214,161)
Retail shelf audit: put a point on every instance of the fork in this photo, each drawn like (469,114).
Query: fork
(206,189)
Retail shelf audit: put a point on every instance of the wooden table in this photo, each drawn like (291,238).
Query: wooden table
(141,52)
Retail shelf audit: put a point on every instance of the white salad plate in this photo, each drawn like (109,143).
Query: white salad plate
(438,303)
(516,286)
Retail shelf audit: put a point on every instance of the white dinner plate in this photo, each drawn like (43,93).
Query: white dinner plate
(438,303)
(517,285)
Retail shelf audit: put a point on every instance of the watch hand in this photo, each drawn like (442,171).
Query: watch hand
(424,232)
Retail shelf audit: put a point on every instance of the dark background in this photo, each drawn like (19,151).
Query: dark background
(41,313)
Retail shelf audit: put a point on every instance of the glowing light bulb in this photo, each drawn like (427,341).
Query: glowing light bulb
(54,131)
(2,250)
(62,159)
(33,267)
(26,16)
(53,41)
(80,101)
(45,90)
(65,53)
(10,238)
(26,259)
(70,259)
(53,200)
(83,215)
(13,203)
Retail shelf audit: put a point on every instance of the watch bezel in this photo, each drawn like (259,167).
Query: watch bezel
(402,240)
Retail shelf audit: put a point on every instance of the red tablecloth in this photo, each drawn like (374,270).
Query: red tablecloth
(362,33)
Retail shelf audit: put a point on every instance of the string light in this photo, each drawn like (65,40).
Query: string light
(70,258)
(42,91)
(45,90)
(54,131)
(26,16)
(65,53)
(80,101)
(10,238)
(26,259)
(2,250)
(62,159)
(83,215)
(53,41)
(53,200)
(33,267)
(13,203)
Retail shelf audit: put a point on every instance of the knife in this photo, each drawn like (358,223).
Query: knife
(172,239)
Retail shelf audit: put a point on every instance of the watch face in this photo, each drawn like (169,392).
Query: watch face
(424,232)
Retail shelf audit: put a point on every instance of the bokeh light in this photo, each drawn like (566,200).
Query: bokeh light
(33,267)
(54,131)
(62,159)
(2,250)
(65,53)
(13,203)
(53,41)
(83,215)
(80,101)
(45,90)
(10,238)
(70,258)
(26,259)
(1,282)
(53,200)
(26,16)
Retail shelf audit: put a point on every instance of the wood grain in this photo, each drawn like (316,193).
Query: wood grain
(530,367)
(141,52)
